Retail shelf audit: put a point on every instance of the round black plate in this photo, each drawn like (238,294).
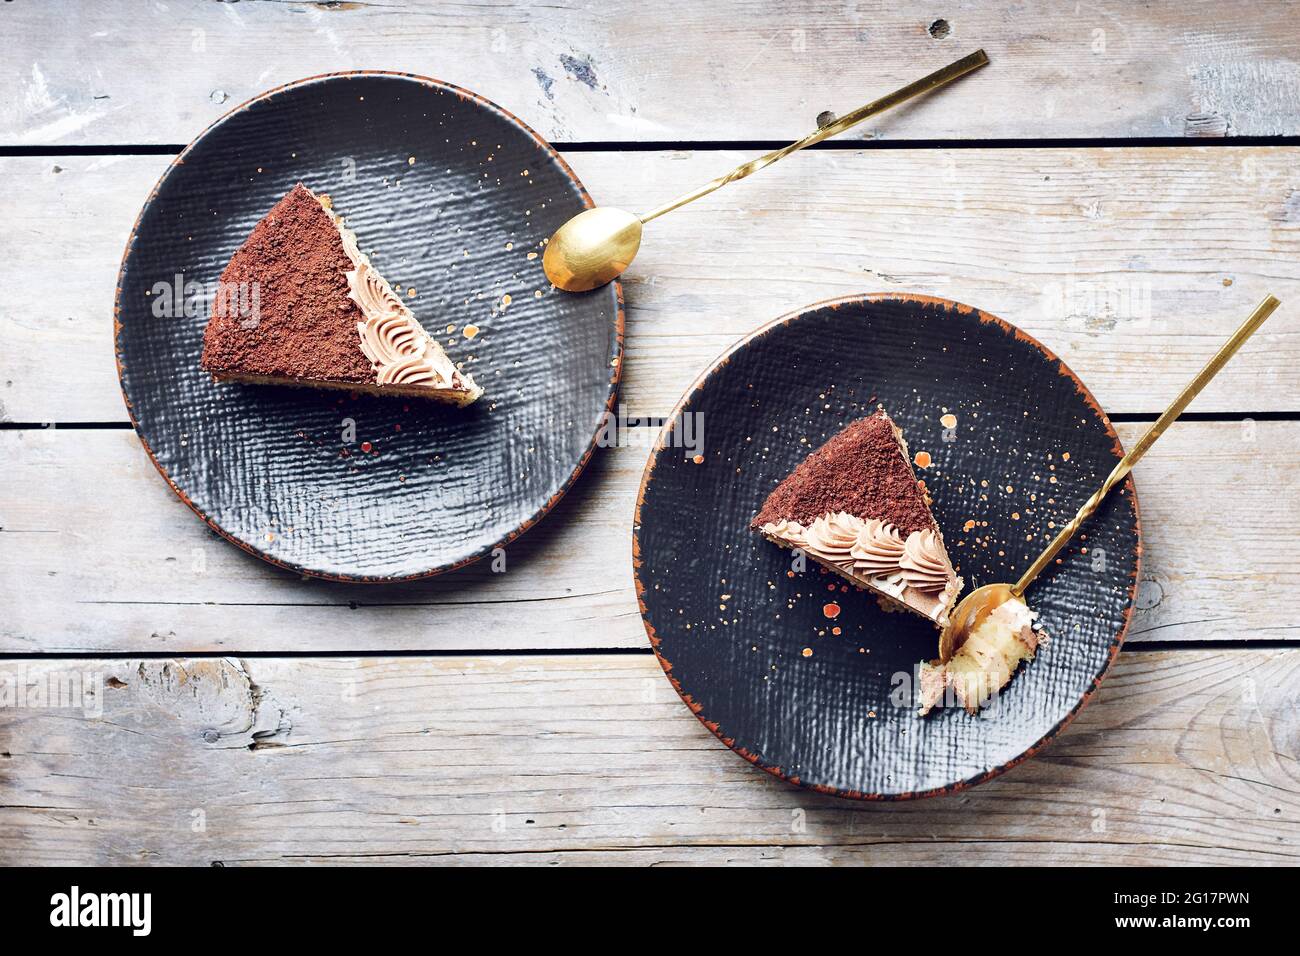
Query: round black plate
(747,642)
(455,197)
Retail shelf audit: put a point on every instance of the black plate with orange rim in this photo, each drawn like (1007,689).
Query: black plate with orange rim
(809,678)
(455,197)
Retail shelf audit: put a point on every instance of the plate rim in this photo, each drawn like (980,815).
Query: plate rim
(663,440)
(619,323)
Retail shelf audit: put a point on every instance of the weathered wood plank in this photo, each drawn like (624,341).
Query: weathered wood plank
(98,556)
(1133,264)
(622,71)
(1187,757)
(123,563)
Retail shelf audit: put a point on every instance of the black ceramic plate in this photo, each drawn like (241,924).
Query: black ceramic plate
(455,197)
(826,703)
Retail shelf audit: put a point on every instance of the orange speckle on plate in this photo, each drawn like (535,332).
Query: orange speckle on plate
(471,331)
(1065,456)
(835,631)
(1015,516)
(922,459)
(831,610)
(968,525)
(807,652)
(948,421)
(698,459)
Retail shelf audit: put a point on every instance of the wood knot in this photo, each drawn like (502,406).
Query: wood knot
(1203,125)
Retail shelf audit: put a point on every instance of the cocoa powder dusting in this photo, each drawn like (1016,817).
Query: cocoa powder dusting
(305,326)
(861,470)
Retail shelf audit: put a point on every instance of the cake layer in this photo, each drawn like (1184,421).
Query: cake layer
(912,572)
(292,314)
(451,396)
(863,471)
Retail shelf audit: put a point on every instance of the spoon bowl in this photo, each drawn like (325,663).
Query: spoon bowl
(967,615)
(592,248)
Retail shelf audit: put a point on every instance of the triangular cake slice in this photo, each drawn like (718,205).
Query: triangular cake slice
(855,506)
(300,304)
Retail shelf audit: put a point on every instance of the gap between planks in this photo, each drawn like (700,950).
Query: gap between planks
(722,145)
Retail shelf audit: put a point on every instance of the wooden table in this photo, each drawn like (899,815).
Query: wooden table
(1123,183)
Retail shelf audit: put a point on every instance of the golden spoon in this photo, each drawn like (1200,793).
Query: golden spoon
(981,602)
(595,246)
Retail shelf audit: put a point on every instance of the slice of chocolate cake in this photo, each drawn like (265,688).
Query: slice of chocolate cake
(300,304)
(855,506)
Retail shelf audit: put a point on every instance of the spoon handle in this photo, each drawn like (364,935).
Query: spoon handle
(935,80)
(1229,349)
